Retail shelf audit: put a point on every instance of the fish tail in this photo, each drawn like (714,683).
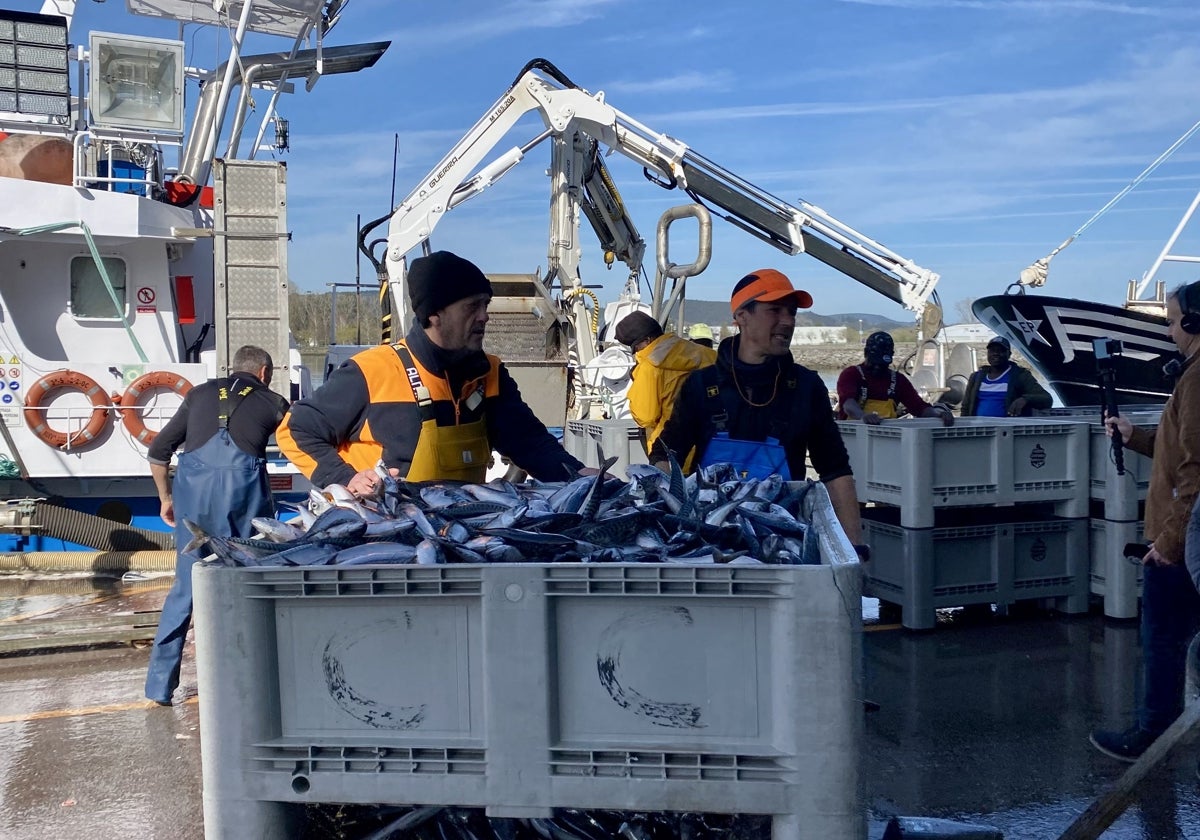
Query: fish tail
(199,538)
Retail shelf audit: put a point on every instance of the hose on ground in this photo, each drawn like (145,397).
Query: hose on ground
(97,532)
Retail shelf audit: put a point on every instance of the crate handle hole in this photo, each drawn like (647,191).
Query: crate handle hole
(300,784)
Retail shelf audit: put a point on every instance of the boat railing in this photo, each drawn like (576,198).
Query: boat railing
(85,175)
(73,421)
(84,172)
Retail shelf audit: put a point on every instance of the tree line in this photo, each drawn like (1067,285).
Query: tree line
(311,315)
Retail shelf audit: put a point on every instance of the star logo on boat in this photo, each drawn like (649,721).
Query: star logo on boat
(1029,329)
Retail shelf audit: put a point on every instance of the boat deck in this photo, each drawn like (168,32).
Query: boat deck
(981,721)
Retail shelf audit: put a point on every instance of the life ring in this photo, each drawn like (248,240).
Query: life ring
(35,418)
(131,417)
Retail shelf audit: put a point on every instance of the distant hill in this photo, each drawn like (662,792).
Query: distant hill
(715,312)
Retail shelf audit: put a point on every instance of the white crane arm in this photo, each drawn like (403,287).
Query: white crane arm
(566,109)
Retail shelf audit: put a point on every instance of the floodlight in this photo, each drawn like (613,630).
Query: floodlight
(136,83)
(33,65)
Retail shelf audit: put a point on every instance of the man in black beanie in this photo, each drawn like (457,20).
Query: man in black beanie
(430,407)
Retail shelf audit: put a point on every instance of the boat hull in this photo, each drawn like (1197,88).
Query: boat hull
(1055,334)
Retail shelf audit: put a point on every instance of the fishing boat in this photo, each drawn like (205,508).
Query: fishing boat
(1055,334)
(138,253)
(1058,334)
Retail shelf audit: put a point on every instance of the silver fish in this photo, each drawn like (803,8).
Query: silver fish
(276,531)
(376,552)
(429,553)
(495,491)
(417,515)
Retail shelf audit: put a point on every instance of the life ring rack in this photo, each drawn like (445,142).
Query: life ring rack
(70,380)
(131,417)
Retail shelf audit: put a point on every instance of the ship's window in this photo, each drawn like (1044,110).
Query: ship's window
(89,296)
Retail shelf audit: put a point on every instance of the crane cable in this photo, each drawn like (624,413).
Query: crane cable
(1035,275)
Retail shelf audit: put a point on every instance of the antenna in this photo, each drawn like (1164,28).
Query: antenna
(357,285)
(395,155)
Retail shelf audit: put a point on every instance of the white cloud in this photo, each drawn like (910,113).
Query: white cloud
(502,20)
(721,80)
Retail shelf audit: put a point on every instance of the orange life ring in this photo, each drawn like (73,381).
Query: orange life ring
(131,417)
(35,418)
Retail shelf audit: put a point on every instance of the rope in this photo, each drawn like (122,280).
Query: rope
(1035,275)
(112,293)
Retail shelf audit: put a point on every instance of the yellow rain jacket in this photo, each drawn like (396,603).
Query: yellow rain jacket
(661,368)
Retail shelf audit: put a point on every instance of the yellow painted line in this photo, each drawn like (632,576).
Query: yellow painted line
(875,628)
(51,714)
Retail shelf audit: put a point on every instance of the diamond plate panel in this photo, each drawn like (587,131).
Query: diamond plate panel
(260,333)
(252,240)
(258,190)
(251,262)
(253,293)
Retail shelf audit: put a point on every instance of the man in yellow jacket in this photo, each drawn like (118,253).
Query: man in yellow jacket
(663,362)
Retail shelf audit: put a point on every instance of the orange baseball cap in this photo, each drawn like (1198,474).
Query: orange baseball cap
(769,286)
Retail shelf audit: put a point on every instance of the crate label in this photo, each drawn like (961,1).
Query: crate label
(1037,457)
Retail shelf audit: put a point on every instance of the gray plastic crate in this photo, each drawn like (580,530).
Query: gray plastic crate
(618,438)
(1120,493)
(921,465)
(925,569)
(575,439)
(1112,576)
(1092,412)
(520,688)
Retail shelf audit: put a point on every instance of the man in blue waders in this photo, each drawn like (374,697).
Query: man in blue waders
(759,410)
(220,484)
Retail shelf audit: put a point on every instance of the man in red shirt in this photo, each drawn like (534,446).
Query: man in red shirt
(872,391)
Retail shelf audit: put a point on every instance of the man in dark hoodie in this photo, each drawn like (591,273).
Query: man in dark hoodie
(432,406)
(757,408)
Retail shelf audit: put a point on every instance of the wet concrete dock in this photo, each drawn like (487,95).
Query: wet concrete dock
(983,721)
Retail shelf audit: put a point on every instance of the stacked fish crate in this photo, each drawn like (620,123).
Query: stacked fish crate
(987,511)
(525,687)
(620,439)
(1117,508)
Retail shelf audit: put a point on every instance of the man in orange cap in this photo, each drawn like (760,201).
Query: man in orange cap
(756,408)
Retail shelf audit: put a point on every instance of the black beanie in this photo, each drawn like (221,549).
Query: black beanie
(442,278)
(635,326)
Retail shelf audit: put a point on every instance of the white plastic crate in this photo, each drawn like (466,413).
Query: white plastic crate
(1112,576)
(925,569)
(520,688)
(921,465)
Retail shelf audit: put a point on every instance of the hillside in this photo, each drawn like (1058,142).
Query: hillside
(715,312)
(358,318)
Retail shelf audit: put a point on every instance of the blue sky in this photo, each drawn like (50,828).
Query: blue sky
(970,136)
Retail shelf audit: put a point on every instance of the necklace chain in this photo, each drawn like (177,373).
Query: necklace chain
(770,399)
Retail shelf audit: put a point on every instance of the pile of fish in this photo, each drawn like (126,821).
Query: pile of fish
(439,823)
(709,517)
